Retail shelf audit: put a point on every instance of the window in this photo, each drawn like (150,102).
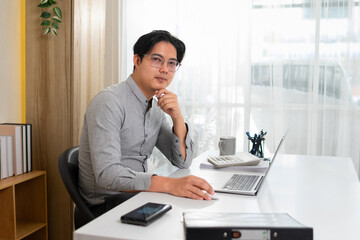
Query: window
(253,65)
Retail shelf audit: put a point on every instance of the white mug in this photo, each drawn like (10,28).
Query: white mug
(227,146)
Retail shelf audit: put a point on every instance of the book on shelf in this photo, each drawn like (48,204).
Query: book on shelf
(15,132)
(3,157)
(22,146)
(23,136)
(10,156)
(29,145)
(6,157)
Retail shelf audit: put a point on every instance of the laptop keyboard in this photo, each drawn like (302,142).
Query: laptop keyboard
(241,182)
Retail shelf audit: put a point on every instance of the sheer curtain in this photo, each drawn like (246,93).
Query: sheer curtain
(252,65)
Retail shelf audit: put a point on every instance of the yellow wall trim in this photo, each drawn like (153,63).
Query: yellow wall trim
(23,61)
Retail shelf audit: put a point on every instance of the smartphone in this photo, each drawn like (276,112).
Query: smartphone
(145,214)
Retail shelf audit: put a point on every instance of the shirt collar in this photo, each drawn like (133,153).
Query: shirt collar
(136,91)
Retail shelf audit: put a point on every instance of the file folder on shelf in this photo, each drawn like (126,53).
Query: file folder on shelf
(249,226)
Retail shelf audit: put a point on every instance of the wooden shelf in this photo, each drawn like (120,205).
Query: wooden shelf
(24,207)
(8,182)
(27,228)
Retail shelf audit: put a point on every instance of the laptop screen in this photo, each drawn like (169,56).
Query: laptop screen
(277,149)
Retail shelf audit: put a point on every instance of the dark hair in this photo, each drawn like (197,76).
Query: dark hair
(146,42)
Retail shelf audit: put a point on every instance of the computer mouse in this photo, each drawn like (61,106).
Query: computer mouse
(213,197)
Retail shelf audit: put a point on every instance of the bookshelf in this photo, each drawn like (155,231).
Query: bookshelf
(23,207)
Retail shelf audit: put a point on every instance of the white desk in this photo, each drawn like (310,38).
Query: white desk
(320,192)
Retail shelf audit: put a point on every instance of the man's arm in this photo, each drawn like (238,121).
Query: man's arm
(169,104)
(189,186)
(180,131)
(169,144)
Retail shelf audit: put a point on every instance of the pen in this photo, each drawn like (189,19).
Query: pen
(158,97)
(248,134)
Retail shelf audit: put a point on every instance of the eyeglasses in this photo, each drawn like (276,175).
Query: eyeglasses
(157,61)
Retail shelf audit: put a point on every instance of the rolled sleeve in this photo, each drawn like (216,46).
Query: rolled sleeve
(142,181)
(178,159)
(169,144)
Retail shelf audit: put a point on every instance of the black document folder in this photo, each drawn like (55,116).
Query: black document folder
(248,226)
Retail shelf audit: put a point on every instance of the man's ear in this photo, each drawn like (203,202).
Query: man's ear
(137,60)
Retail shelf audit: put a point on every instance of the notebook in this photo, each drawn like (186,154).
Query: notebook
(242,183)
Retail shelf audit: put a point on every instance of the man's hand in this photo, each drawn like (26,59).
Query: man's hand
(168,103)
(189,186)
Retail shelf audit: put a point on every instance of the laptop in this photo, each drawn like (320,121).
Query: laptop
(241,183)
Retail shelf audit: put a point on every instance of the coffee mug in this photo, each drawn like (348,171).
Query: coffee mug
(227,146)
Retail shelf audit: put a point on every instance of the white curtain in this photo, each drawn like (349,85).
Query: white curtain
(261,64)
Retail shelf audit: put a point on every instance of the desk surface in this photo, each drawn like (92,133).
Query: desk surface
(320,192)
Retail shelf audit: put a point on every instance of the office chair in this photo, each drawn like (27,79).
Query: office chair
(69,170)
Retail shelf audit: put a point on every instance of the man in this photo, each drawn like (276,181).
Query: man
(124,122)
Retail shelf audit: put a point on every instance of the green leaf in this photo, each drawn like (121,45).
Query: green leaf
(45,5)
(56,19)
(54,25)
(52,2)
(53,31)
(57,12)
(45,15)
(43,1)
(45,23)
(46,31)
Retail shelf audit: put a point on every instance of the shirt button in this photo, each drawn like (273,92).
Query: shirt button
(176,140)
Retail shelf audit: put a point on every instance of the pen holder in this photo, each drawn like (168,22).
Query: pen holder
(256,144)
(256,148)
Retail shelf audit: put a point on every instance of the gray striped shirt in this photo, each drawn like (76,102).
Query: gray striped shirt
(118,137)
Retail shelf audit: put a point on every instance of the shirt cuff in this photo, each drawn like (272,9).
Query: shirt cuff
(142,181)
(188,142)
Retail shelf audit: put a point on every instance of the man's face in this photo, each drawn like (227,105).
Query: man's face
(150,78)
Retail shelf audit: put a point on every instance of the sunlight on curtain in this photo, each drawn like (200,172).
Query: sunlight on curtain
(305,74)
(253,65)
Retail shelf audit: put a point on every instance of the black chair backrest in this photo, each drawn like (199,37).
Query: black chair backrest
(69,171)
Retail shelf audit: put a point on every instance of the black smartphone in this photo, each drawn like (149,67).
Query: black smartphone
(145,214)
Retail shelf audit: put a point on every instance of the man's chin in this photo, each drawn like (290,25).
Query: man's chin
(161,86)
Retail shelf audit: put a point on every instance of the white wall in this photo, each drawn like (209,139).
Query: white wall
(11,106)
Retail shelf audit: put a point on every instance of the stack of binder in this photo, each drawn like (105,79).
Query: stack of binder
(255,226)
(15,149)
